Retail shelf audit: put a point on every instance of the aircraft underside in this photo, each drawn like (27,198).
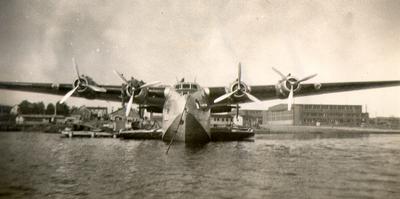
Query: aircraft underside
(184,121)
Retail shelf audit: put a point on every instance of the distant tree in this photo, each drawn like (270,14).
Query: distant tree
(38,108)
(25,107)
(50,108)
(62,109)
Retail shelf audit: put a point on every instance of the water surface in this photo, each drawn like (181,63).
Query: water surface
(37,165)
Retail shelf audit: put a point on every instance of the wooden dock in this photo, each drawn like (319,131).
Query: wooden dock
(217,134)
(88,134)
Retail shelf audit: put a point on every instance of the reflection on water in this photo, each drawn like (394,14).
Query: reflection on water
(273,166)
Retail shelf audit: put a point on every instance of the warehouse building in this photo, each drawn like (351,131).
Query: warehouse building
(246,118)
(252,118)
(315,115)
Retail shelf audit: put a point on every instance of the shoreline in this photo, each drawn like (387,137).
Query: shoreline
(281,129)
(272,129)
(45,128)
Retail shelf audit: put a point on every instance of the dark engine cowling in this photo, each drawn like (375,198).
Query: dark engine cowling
(240,93)
(139,94)
(221,109)
(82,83)
(283,87)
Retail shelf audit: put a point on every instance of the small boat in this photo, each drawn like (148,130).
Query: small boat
(231,134)
(141,134)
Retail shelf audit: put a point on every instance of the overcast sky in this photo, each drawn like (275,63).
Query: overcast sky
(164,40)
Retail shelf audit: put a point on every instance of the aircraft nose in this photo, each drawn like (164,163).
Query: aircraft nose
(193,103)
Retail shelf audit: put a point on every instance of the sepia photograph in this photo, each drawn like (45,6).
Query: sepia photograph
(200,99)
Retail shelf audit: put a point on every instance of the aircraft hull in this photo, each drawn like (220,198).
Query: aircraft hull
(188,129)
(184,121)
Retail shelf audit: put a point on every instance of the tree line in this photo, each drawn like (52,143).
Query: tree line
(26,107)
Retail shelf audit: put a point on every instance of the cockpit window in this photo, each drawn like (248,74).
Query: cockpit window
(186,88)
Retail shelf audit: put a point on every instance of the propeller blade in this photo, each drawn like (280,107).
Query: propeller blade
(76,68)
(120,76)
(290,98)
(252,97)
(237,112)
(307,78)
(279,73)
(129,106)
(239,75)
(96,88)
(149,84)
(68,95)
(224,96)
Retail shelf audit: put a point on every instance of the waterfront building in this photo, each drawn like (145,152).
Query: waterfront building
(252,118)
(122,122)
(87,113)
(98,112)
(315,115)
(221,120)
(120,114)
(247,118)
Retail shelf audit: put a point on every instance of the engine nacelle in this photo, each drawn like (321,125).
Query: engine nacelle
(243,88)
(283,87)
(82,83)
(138,94)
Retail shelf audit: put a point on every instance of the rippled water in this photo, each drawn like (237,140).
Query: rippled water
(36,165)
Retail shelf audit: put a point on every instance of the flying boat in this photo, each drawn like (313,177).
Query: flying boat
(186,107)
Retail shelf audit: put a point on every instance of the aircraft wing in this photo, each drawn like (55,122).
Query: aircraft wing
(112,93)
(311,89)
(269,92)
(153,100)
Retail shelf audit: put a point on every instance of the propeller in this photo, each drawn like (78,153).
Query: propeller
(76,69)
(120,76)
(81,83)
(279,73)
(239,89)
(290,98)
(69,94)
(129,106)
(237,112)
(93,87)
(134,85)
(292,81)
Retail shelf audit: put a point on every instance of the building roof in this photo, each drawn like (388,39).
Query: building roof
(280,107)
(121,112)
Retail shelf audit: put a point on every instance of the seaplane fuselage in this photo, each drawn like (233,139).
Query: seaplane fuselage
(186,116)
